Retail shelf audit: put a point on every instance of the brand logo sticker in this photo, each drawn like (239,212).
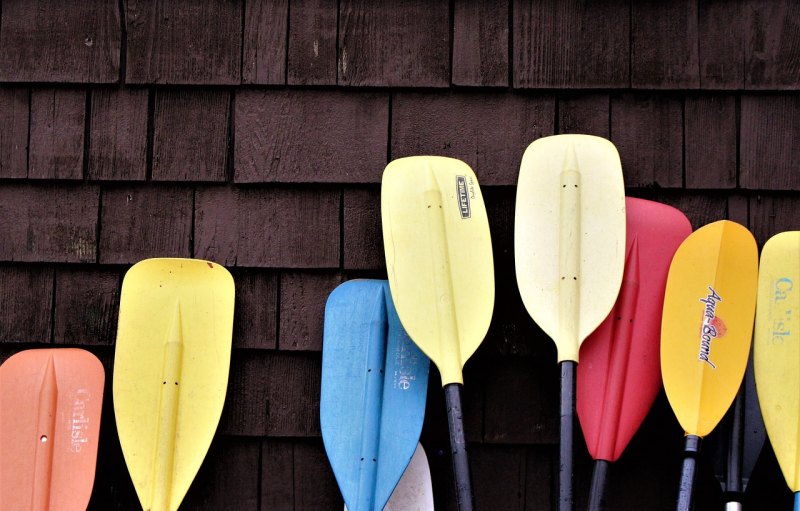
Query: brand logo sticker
(463,196)
(712,328)
(79,422)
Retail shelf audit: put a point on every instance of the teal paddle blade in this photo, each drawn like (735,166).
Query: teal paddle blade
(374,385)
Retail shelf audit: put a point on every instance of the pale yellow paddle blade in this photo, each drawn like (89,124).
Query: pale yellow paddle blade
(171,372)
(707,323)
(776,350)
(569,236)
(438,257)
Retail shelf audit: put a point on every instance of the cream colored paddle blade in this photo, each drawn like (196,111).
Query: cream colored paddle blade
(438,257)
(777,349)
(171,372)
(707,324)
(569,236)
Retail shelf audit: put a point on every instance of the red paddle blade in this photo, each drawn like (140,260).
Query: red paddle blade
(619,375)
(50,402)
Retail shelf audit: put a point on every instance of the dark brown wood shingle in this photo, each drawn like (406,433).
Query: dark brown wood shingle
(26,293)
(772,48)
(264,52)
(721,36)
(255,324)
(184,42)
(138,222)
(312,42)
(118,135)
(710,141)
(664,52)
(268,227)
(310,136)
(60,41)
(58,118)
(228,478)
(293,394)
(648,132)
(771,214)
(277,474)
(48,223)
(86,306)
(246,405)
(556,44)
(480,43)
(363,237)
(770,142)
(489,131)
(587,114)
(314,484)
(190,139)
(14,122)
(303,298)
(394,43)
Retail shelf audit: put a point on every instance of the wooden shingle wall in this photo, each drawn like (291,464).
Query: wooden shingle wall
(254,133)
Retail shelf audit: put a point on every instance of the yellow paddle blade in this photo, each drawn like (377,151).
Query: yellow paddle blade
(776,351)
(708,322)
(438,257)
(569,236)
(171,372)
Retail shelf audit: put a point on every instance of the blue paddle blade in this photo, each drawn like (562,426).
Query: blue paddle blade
(374,385)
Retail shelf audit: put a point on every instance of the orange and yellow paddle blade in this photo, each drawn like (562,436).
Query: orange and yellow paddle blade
(438,257)
(50,405)
(171,372)
(707,323)
(776,350)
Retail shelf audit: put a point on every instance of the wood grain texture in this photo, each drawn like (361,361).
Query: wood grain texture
(118,134)
(588,114)
(268,227)
(184,41)
(772,48)
(314,484)
(721,38)
(769,144)
(710,141)
(648,132)
(277,474)
(190,135)
(489,131)
(772,213)
(246,406)
(664,49)
(86,305)
(310,136)
(137,222)
(14,123)
(480,43)
(394,43)
(555,44)
(48,223)
(699,208)
(229,478)
(60,41)
(26,293)
(264,51)
(363,234)
(293,394)
(255,322)
(498,473)
(739,209)
(302,308)
(312,42)
(57,125)
(539,477)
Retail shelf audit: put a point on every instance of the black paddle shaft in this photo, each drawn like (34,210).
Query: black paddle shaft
(690,451)
(565,499)
(458,447)
(597,493)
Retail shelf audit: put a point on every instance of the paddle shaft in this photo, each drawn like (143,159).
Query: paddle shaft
(733,480)
(568,374)
(690,451)
(797,501)
(597,493)
(458,447)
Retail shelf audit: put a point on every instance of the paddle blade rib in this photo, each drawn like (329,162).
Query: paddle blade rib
(707,323)
(569,236)
(171,372)
(777,350)
(619,375)
(438,257)
(374,387)
(51,401)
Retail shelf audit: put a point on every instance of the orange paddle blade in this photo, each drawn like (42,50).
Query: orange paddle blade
(50,403)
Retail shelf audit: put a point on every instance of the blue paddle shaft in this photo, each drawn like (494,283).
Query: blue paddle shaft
(597,493)
(690,450)
(797,501)
(458,445)
(565,499)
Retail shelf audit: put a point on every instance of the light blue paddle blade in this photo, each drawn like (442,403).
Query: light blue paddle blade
(374,385)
